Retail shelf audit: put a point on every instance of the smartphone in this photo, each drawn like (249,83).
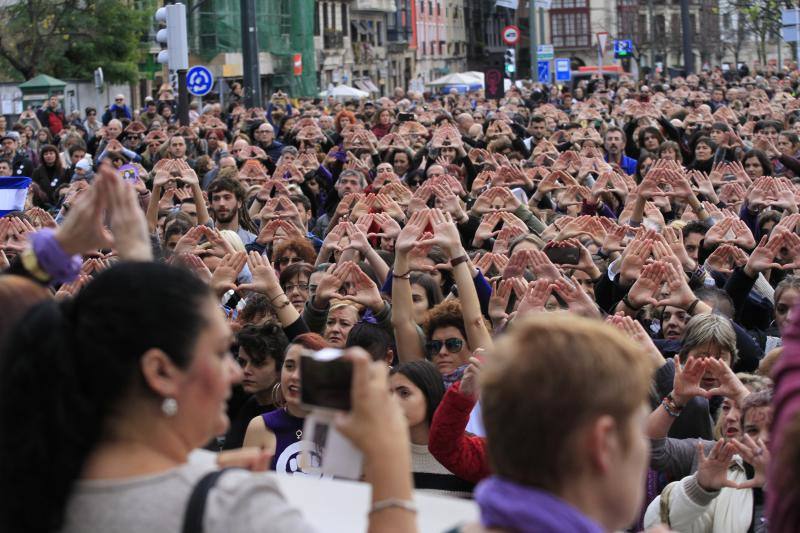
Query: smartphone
(563,255)
(405,117)
(130,173)
(325,380)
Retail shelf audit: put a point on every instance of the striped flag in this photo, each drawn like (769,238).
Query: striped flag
(13,192)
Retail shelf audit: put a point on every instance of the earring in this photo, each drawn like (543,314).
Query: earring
(277,396)
(169,406)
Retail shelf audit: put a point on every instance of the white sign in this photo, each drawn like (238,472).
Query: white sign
(789,34)
(543,4)
(602,39)
(510,35)
(511,4)
(789,16)
(545,52)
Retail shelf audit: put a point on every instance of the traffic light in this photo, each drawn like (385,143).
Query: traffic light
(511,61)
(173,35)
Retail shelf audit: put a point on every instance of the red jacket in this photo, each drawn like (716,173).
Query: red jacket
(461,453)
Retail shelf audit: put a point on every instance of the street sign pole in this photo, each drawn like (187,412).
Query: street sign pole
(602,38)
(533,40)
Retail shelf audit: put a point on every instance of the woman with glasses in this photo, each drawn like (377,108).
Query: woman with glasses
(454,328)
(292,251)
(294,280)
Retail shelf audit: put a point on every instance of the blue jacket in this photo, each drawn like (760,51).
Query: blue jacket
(627,164)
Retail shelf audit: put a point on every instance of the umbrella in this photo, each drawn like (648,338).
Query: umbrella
(345,91)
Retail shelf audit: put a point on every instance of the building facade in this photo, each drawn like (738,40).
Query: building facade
(441,43)
(401,45)
(332,43)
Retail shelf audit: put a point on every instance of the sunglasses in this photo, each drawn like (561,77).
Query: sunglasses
(289,260)
(452,344)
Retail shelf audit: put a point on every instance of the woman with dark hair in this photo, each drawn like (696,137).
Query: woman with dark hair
(107,395)
(425,294)
(704,150)
(649,138)
(49,175)
(294,282)
(757,164)
(261,351)
(281,431)
(418,386)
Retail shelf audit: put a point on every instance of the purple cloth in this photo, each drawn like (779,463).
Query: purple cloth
(454,376)
(61,267)
(783,498)
(507,505)
(288,431)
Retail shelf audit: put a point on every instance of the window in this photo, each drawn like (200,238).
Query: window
(627,17)
(659,28)
(379,32)
(325,21)
(642,28)
(569,24)
(345,25)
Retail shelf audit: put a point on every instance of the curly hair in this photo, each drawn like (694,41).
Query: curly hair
(301,247)
(446,314)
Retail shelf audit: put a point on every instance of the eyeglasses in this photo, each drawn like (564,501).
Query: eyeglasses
(302,287)
(289,260)
(119,99)
(452,344)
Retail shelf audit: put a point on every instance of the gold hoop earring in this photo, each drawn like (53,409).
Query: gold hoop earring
(277,395)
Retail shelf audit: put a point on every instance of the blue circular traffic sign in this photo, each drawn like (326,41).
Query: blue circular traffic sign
(199,80)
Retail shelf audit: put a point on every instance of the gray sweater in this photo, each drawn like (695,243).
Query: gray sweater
(240,501)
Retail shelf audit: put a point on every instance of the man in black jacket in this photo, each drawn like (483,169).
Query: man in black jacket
(20,164)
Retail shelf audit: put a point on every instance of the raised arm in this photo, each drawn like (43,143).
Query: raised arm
(446,235)
(405,329)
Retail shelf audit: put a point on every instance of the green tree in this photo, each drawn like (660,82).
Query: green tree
(70,38)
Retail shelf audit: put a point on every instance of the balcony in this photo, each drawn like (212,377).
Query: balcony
(333,39)
(383,6)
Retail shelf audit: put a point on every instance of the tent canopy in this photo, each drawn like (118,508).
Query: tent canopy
(459,78)
(43,81)
(344,91)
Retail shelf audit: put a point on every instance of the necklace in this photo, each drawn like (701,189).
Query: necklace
(299,434)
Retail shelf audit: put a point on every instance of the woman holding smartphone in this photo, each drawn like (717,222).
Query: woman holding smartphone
(106,396)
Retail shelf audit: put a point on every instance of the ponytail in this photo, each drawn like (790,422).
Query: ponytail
(68,366)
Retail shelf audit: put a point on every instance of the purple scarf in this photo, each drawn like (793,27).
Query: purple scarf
(454,376)
(507,505)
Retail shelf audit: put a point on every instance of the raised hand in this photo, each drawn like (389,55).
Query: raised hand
(535,297)
(410,235)
(686,381)
(648,283)
(265,280)
(224,277)
(712,469)
(755,453)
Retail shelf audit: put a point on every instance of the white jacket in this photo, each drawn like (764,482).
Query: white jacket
(687,508)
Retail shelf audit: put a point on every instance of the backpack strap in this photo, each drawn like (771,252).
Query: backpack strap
(196,506)
(664,504)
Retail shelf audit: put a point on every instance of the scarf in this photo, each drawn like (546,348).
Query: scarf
(453,377)
(507,505)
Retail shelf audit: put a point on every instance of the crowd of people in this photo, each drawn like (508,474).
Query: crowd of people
(575,308)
